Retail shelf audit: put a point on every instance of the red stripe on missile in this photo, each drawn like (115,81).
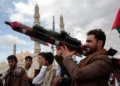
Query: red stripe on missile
(51,39)
(62,43)
(27,30)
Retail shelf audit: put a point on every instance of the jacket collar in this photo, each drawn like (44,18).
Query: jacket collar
(49,67)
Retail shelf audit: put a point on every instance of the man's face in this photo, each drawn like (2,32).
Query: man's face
(45,62)
(28,62)
(12,63)
(40,59)
(91,44)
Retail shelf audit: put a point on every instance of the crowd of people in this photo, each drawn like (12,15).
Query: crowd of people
(94,70)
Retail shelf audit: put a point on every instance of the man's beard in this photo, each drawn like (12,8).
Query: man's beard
(91,51)
(13,67)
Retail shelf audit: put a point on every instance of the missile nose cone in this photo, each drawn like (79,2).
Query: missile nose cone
(6,22)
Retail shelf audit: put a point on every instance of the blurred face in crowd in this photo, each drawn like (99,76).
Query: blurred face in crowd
(28,62)
(40,59)
(45,62)
(12,63)
(91,44)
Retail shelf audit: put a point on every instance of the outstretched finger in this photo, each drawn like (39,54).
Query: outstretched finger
(66,48)
(73,52)
(62,49)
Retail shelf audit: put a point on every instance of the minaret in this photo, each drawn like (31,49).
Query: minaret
(53,28)
(53,23)
(14,49)
(36,22)
(61,23)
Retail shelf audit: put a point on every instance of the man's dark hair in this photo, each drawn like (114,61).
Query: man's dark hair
(99,35)
(12,57)
(28,57)
(49,57)
(41,54)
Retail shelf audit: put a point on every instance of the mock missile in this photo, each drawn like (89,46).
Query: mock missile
(63,36)
(51,37)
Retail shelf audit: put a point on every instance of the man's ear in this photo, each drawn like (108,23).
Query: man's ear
(100,42)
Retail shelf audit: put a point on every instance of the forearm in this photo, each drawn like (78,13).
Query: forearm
(96,68)
(40,77)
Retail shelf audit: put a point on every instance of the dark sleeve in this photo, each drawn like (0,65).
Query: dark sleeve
(66,81)
(1,83)
(23,82)
(116,69)
(59,61)
(97,67)
(36,72)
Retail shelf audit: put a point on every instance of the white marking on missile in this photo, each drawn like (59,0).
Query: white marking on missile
(57,42)
(24,31)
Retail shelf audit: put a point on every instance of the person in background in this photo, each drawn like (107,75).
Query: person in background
(30,70)
(48,71)
(14,75)
(38,80)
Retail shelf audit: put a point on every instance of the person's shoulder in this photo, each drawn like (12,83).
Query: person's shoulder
(103,57)
(53,68)
(53,71)
(19,70)
(5,73)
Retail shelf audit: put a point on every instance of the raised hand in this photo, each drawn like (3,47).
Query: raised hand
(65,52)
(58,51)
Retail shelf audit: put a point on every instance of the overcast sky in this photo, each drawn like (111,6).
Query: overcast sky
(80,16)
